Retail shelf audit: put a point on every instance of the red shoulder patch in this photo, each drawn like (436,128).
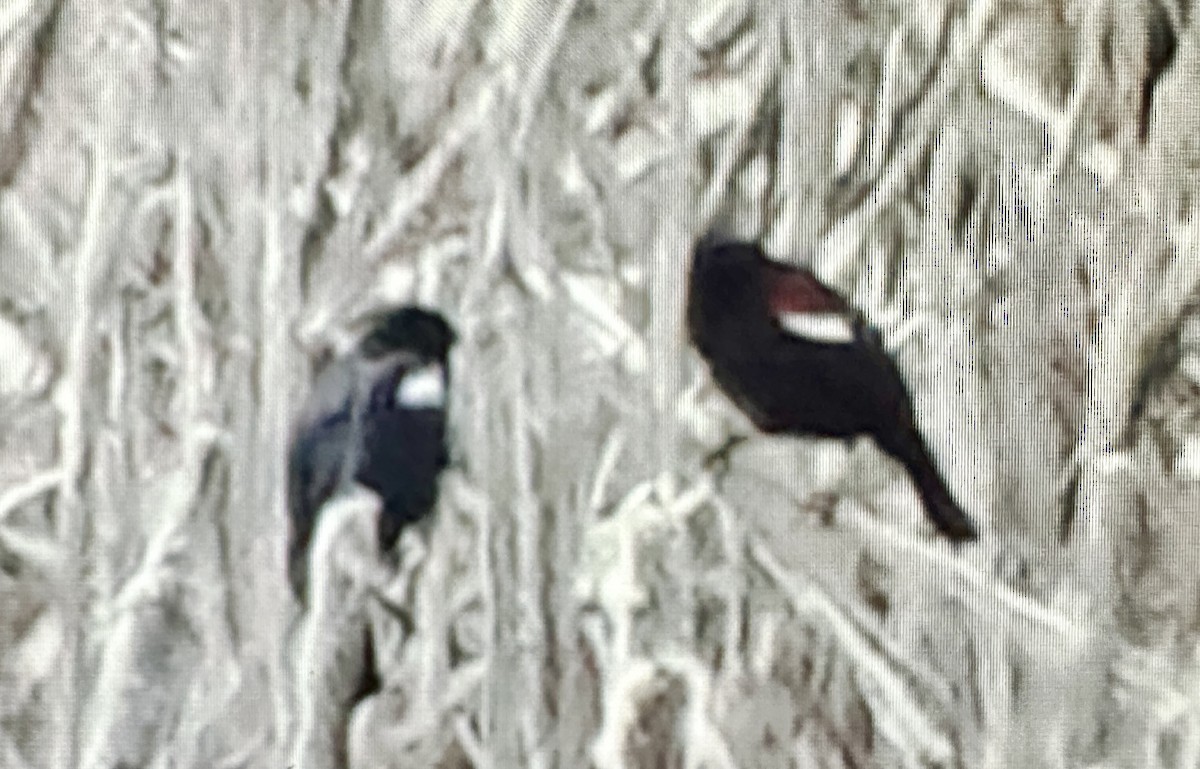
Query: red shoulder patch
(796,290)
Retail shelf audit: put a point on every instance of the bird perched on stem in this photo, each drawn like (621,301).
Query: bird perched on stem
(376,416)
(800,360)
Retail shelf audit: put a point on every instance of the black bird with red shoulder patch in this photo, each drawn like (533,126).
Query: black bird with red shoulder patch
(376,417)
(798,359)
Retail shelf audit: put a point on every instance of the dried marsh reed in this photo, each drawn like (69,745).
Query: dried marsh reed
(198,200)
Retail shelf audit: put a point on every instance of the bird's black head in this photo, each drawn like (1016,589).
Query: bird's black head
(409,328)
(721,258)
(717,246)
(726,273)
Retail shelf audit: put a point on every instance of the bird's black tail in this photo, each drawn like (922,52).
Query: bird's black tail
(946,515)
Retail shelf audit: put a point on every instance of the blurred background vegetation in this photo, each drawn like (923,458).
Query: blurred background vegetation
(198,198)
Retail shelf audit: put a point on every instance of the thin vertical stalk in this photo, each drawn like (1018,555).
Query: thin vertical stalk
(70,400)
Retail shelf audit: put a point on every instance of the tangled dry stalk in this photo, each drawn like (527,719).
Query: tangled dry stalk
(197,199)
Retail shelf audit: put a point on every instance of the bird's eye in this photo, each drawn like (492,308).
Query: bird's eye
(422,388)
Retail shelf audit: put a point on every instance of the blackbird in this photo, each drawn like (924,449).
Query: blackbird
(798,359)
(376,416)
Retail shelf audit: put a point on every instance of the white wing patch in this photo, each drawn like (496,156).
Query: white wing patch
(422,388)
(828,327)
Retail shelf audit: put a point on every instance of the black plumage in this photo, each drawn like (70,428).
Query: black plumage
(827,377)
(376,416)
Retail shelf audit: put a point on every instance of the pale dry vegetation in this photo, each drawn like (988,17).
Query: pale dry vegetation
(199,198)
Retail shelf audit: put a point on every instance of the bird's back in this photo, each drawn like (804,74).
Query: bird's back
(317,468)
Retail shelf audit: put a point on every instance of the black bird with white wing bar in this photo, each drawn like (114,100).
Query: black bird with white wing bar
(376,417)
(798,359)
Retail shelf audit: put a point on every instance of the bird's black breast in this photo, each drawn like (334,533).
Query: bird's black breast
(404,451)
